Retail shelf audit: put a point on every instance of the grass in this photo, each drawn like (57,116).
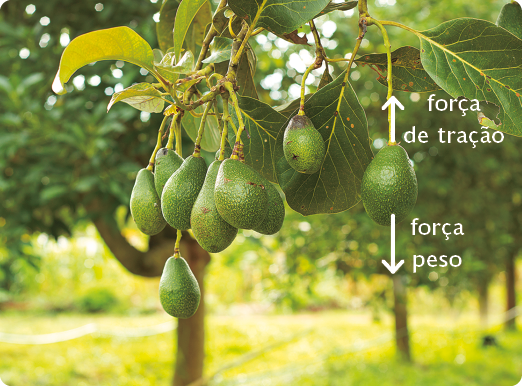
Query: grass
(335,348)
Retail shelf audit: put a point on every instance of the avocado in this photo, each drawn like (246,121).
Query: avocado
(303,145)
(166,163)
(389,185)
(178,289)
(275,214)
(240,194)
(210,230)
(145,204)
(181,191)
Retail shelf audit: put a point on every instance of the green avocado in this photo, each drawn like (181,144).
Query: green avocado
(389,185)
(210,230)
(303,145)
(510,18)
(166,163)
(240,194)
(145,204)
(178,289)
(275,214)
(181,191)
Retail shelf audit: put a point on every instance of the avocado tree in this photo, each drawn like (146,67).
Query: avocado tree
(206,92)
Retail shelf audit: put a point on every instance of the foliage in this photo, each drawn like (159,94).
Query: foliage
(97,299)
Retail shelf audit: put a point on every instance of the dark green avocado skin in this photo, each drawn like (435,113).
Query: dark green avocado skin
(181,191)
(389,186)
(240,194)
(166,163)
(145,204)
(179,290)
(210,230)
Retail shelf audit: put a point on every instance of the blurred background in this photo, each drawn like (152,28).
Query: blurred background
(311,305)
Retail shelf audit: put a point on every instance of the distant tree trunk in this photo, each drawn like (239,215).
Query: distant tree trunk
(511,301)
(402,337)
(191,331)
(483,292)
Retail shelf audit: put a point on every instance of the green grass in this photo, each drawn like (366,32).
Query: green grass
(336,348)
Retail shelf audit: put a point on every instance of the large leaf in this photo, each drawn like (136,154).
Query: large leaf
(119,43)
(198,28)
(187,10)
(277,16)
(141,96)
(407,71)
(477,60)
(211,138)
(262,123)
(220,49)
(337,114)
(290,108)
(510,18)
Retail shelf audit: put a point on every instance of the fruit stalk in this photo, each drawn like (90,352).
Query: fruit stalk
(197,146)
(150,166)
(176,246)
(389,75)
(235,103)
(303,86)
(224,135)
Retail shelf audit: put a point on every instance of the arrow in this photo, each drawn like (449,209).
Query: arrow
(392,267)
(392,102)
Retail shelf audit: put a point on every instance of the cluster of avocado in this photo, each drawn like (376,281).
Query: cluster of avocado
(214,203)
(389,185)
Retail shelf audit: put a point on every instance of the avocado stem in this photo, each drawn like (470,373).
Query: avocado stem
(235,104)
(150,166)
(176,246)
(197,145)
(303,86)
(389,75)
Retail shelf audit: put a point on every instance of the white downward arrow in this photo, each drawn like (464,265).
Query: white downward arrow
(392,267)
(392,102)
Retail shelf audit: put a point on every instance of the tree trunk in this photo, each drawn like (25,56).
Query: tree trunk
(511,301)
(402,337)
(483,302)
(191,331)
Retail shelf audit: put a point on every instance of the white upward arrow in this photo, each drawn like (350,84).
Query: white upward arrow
(392,102)
(392,267)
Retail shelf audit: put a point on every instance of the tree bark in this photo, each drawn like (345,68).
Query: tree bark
(402,337)
(511,301)
(483,292)
(191,331)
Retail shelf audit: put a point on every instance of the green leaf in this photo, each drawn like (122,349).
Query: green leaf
(220,49)
(141,96)
(277,16)
(170,71)
(510,18)
(346,6)
(211,138)
(289,109)
(197,31)
(165,26)
(187,10)
(407,71)
(119,43)
(337,114)
(477,60)
(262,123)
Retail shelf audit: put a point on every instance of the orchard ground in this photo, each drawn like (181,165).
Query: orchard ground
(334,348)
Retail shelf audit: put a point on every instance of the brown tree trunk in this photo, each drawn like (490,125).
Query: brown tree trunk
(511,301)
(191,331)
(402,337)
(483,292)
